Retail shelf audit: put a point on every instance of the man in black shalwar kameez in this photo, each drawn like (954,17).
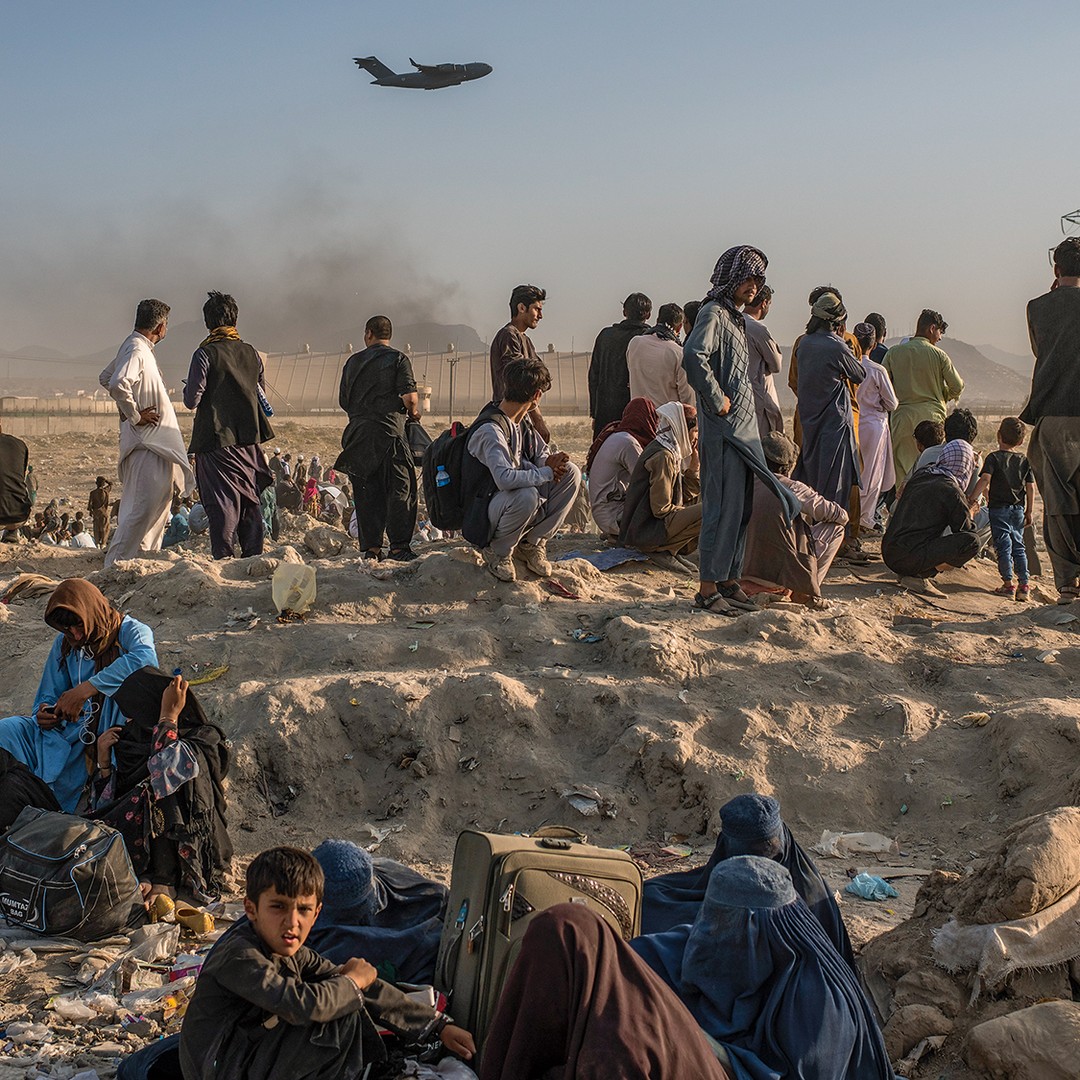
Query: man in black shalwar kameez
(378,391)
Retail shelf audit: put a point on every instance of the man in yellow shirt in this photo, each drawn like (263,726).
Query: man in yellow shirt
(924,379)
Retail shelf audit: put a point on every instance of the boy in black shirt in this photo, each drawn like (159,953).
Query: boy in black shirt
(265,1006)
(1007,478)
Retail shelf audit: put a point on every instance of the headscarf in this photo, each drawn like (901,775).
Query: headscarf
(663,331)
(673,433)
(379,909)
(100,620)
(735,266)
(639,419)
(750,824)
(759,975)
(139,699)
(957,461)
(829,307)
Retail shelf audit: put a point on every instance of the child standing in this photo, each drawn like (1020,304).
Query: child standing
(266,1006)
(1009,484)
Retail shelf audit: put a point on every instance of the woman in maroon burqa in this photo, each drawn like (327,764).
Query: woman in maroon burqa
(580,1005)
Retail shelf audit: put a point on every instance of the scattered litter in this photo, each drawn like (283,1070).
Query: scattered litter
(903,808)
(840,845)
(348,757)
(586,637)
(70,1007)
(947,801)
(209,675)
(242,620)
(12,961)
(371,836)
(1047,656)
(588,802)
(870,887)
(891,872)
(186,964)
(557,588)
(421,624)
(684,696)
(905,1066)
(354,701)
(607,559)
(293,588)
(23,1032)
(414,646)
(468,762)
(680,851)
(974,719)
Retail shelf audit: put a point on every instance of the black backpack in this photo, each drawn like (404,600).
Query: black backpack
(20,788)
(446,504)
(67,877)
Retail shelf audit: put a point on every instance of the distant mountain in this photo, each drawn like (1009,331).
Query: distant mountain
(1022,364)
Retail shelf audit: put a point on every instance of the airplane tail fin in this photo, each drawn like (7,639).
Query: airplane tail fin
(373,65)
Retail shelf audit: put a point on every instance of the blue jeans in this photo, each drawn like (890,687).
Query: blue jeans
(1007,529)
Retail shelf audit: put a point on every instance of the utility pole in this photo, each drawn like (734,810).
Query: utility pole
(453,361)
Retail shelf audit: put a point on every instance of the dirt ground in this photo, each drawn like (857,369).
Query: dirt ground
(431,698)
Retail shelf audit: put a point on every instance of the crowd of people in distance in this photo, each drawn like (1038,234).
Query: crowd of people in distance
(690,461)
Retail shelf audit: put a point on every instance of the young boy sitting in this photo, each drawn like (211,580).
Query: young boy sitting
(1007,477)
(266,1006)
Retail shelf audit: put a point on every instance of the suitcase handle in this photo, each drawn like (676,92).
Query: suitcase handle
(559,832)
(448,962)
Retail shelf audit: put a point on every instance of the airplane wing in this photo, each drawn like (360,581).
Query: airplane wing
(427,69)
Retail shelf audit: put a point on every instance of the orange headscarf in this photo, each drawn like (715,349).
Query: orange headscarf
(100,620)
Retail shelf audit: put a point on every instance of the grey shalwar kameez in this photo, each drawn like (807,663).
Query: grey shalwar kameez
(715,359)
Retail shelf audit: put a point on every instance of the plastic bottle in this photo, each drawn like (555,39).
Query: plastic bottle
(442,477)
(264,404)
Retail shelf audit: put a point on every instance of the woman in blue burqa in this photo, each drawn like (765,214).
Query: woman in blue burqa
(749,825)
(761,978)
(95,649)
(378,909)
(715,358)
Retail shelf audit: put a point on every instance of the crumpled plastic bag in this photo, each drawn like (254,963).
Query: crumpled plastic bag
(447,1069)
(841,845)
(870,887)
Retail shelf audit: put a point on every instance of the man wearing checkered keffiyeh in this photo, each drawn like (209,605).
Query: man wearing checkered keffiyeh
(715,358)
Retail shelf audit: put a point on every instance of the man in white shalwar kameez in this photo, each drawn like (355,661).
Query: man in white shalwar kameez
(152,452)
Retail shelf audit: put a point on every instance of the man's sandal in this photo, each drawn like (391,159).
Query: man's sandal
(714,603)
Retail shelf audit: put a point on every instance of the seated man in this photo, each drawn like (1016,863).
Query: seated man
(750,825)
(916,544)
(791,560)
(762,979)
(95,650)
(661,512)
(267,1006)
(379,909)
(516,493)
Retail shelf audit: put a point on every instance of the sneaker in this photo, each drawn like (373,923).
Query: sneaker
(402,555)
(922,586)
(1023,592)
(500,566)
(534,556)
(372,554)
(1007,588)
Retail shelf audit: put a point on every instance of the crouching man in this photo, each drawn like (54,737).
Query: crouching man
(516,493)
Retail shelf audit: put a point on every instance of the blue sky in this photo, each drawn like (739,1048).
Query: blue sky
(915,155)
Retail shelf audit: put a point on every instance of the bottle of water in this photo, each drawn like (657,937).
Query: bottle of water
(442,477)
(264,404)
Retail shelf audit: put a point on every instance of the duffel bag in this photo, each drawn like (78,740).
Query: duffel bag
(67,877)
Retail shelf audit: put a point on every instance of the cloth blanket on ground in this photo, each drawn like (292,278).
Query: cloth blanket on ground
(994,951)
(674,899)
(378,909)
(759,975)
(579,1005)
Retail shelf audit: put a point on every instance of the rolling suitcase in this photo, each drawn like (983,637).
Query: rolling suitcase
(497,885)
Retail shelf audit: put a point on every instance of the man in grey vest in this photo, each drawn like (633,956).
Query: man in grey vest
(223,388)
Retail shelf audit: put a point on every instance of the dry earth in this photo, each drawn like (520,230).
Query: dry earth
(430,698)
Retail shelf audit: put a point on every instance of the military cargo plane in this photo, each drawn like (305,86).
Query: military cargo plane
(426,76)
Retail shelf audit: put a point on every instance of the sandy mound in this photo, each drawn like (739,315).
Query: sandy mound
(944,973)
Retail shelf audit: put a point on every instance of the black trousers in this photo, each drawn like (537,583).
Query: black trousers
(386,501)
(952,548)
